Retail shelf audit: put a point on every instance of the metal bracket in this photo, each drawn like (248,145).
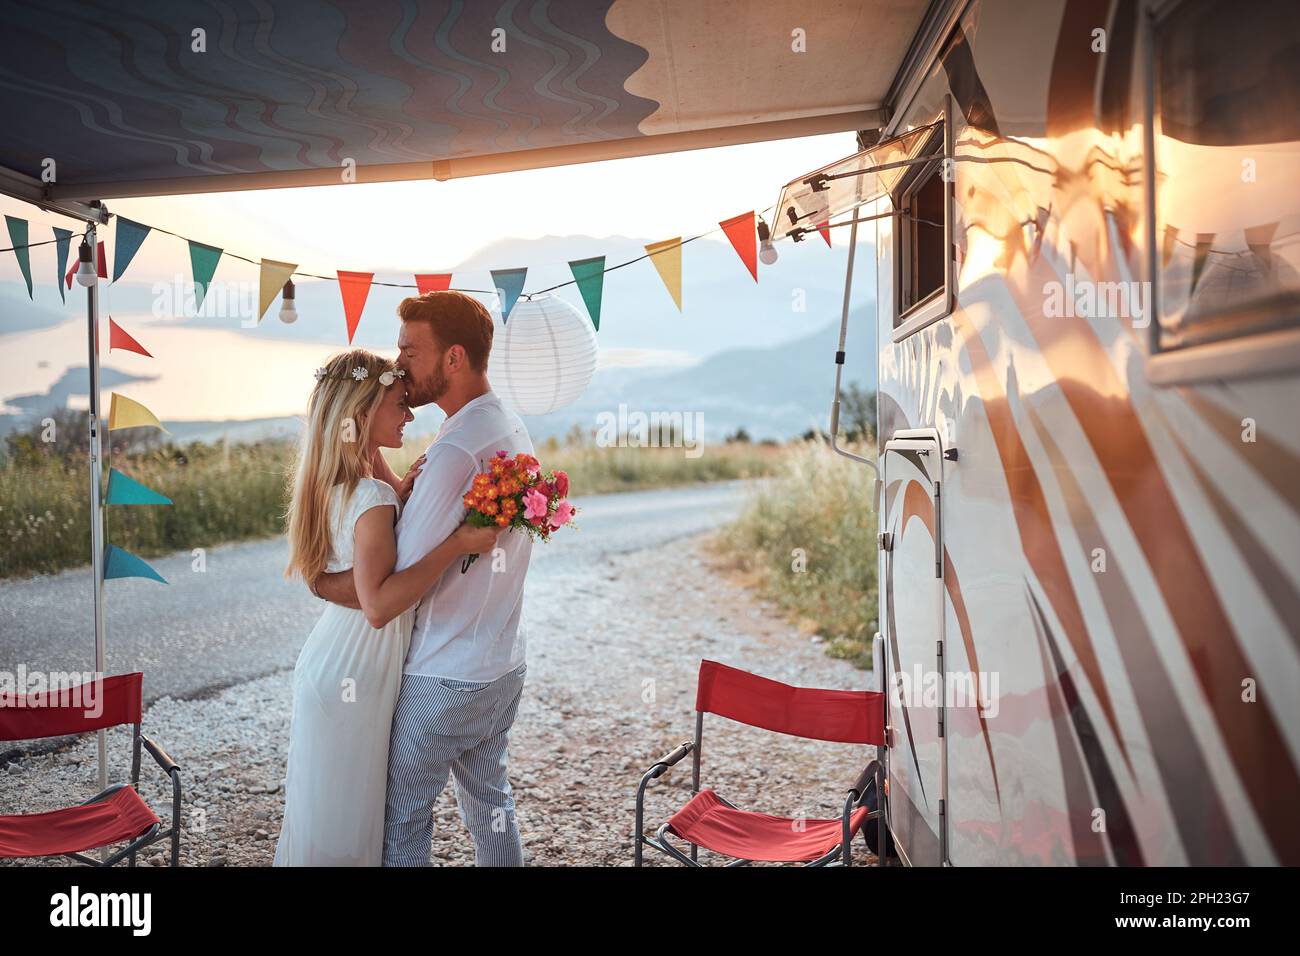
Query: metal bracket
(885,540)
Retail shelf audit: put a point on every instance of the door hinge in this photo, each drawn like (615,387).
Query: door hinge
(885,540)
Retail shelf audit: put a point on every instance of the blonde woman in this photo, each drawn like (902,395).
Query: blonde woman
(344,505)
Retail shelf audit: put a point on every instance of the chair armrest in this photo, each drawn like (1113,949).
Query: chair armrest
(658,768)
(159,755)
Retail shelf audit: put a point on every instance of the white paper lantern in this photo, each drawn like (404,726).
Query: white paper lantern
(544,356)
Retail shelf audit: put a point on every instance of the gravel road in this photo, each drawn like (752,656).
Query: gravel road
(619,617)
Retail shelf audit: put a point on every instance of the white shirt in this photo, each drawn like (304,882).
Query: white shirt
(467,625)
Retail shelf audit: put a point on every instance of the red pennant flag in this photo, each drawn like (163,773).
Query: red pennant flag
(355,287)
(823,228)
(102,268)
(431,282)
(744,239)
(119,338)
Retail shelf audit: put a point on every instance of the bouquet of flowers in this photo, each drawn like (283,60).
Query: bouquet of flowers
(516,493)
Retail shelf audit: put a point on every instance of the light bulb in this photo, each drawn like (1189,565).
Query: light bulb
(86,273)
(288,311)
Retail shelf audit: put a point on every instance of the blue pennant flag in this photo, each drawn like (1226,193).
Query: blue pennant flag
(130,235)
(127,491)
(509,283)
(124,564)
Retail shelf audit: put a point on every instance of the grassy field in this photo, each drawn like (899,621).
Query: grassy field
(230,494)
(807,540)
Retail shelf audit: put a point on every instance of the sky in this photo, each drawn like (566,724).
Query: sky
(431,226)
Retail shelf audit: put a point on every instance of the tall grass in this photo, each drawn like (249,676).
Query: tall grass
(218,496)
(807,540)
(229,494)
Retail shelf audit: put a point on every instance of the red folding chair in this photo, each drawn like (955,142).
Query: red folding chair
(116,814)
(709,821)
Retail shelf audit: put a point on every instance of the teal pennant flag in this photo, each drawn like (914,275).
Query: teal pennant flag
(63,242)
(18,239)
(127,491)
(130,235)
(509,283)
(203,260)
(590,274)
(124,564)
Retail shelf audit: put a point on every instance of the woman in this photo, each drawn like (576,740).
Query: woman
(348,674)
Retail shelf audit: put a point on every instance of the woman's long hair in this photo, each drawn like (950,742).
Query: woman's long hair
(332,450)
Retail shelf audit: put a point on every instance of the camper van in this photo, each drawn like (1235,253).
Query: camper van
(1083,221)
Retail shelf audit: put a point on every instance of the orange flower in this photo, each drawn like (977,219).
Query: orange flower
(490,492)
(468,501)
(502,520)
(489,508)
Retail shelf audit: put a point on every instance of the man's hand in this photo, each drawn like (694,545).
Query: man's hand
(337,587)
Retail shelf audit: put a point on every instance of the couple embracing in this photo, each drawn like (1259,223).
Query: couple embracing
(415,670)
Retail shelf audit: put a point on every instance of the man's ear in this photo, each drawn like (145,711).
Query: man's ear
(456,357)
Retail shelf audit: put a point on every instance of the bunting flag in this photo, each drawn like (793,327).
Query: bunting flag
(124,412)
(1259,240)
(203,263)
(667,257)
(824,229)
(509,283)
(127,491)
(1203,242)
(590,275)
(355,287)
(130,234)
(270,282)
(18,239)
(63,243)
(433,282)
(124,564)
(742,231)
(1167,246)
(119,338)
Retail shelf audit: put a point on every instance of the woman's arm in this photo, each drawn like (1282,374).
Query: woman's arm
(383,593)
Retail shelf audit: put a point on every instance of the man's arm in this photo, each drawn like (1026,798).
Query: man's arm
(435,508)
(337,587)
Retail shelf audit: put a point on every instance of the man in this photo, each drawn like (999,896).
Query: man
(464,672)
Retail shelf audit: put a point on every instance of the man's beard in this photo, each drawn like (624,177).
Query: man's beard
(430,389)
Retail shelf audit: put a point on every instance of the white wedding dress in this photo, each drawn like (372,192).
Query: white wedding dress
(345,687)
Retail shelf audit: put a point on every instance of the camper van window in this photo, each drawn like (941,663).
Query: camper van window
(1227,154)
(921,198)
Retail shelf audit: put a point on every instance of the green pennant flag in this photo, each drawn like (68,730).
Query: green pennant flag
(124,564)
(203,261)
(509,283)
(18,239)
(590,274)
(129,236)
(127,491)
(63,238)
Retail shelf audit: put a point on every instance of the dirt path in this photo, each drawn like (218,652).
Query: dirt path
(612,657)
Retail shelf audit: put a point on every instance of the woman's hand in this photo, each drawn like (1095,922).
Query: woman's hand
(472,540)
(408,480)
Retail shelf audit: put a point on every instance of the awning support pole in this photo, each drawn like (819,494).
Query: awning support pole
(839,354)
(96,503)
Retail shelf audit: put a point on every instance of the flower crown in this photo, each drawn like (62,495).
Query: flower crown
(361,373)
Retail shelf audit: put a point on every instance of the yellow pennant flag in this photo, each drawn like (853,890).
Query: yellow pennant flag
(274,275)
(667,257)
(127,413)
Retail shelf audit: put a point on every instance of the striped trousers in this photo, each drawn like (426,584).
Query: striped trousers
(444,726)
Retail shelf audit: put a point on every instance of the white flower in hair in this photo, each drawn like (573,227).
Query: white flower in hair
(319,373)
(392,375)
(360,373)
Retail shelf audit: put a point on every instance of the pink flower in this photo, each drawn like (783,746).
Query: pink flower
(503,453)
(563,514)
(562,483)
(534,505)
